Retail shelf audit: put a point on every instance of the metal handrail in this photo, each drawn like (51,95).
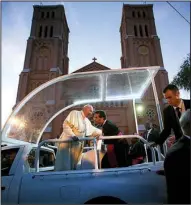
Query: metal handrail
(37,153)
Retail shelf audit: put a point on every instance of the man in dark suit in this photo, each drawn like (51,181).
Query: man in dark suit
(114,156)
(177,165)
(176,106)
(151,134)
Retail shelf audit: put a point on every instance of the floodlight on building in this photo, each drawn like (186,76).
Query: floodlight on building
(139,108)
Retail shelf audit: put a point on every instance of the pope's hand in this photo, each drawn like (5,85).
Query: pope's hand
(98,137)
(75,139)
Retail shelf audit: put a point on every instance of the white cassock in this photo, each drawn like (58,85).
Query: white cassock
(68,154)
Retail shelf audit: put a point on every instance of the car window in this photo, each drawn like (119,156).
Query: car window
(46,159)
(7,159)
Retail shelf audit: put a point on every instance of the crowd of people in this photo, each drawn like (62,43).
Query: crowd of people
(122,153)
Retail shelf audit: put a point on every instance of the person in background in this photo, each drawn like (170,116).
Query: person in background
(151,134)
(177,165)
(136,153)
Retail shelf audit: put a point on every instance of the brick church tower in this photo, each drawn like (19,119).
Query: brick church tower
(46,58)
(47,49)
(140,43)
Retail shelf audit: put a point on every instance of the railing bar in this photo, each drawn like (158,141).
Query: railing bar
(95,146)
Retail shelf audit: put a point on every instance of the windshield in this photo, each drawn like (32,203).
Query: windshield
(31,117)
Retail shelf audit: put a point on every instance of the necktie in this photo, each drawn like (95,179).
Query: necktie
(178,112)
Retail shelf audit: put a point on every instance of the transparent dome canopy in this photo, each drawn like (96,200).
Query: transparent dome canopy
(33,114)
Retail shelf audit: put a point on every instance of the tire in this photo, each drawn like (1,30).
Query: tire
(105,200)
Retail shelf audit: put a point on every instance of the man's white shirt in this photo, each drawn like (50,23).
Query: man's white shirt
(181,106)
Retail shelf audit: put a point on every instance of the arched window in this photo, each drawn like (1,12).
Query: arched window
(135,30)
(144,15)
(146,31)
(140,30)
(47,15)
(45,31)
(51,31)
(42,15)
(133,14)
(139,15)
(53,14)
(40,32)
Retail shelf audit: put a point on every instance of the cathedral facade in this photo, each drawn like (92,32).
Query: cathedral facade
(47,58)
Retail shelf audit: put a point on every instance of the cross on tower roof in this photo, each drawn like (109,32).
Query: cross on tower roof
(94,59)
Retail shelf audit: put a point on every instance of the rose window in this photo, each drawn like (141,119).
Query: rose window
(150,113)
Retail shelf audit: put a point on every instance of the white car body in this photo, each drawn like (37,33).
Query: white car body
(136,184)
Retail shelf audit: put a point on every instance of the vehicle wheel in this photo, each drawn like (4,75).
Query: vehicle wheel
(105,200)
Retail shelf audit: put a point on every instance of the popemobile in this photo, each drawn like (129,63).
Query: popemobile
(27,161)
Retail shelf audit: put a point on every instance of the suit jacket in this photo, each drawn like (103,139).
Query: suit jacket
(110,129)
(171,122)
(153,135)
(120,149)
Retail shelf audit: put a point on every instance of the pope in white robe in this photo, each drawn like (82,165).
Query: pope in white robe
(76,124)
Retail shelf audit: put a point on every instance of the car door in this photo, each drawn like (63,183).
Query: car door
(9,160)
(34,188)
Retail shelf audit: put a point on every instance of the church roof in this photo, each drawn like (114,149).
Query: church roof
(94,66)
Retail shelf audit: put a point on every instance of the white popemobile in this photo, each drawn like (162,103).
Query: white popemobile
(27,165)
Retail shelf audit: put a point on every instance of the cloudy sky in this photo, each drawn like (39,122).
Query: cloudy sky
(94,31)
